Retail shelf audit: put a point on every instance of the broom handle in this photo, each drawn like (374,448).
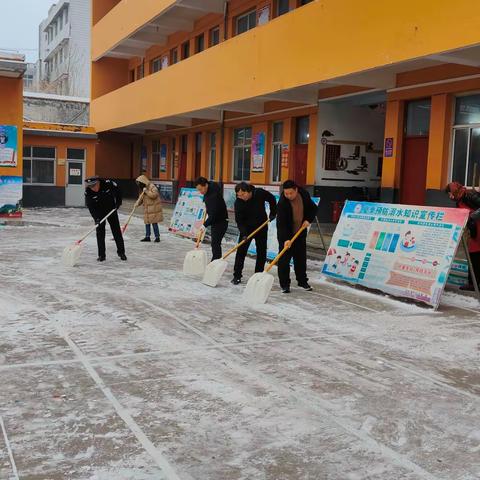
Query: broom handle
(280,255)
(132,212)
(236,247)
(95,227)
(199,236)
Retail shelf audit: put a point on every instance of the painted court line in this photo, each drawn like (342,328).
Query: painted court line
(9,449)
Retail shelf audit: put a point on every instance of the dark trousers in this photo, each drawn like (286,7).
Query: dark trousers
(298,251)
(475,258)
(218,232)
(261,246)
(148,230)
(117,235)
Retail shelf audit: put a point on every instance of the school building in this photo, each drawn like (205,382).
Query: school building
(41,164)
(361,100)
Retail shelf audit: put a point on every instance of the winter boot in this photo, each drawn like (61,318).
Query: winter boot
(146,239)
(305,286)
(157,240)
(122,256)
(101,258)
(285,289)
(236,280)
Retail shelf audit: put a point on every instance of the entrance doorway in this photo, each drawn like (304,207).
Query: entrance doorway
(300,153)
(415,153)
(74,189)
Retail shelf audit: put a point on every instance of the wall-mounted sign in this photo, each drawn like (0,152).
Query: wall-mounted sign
(258,150)
(388,147)
(75,172)
(285,153)
(163,158)
(8,146)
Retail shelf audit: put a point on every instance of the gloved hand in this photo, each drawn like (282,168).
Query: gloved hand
(144,190)
(272,217)
(97,220)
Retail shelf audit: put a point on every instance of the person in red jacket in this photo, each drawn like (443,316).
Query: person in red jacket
(470,200)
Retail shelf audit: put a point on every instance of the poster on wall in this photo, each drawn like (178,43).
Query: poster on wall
(272,242)
(187,217)
(10,196)
(163,158)
(143,158)
(285,153)
(402,250)
(165,189)
(258,152)
(8,146)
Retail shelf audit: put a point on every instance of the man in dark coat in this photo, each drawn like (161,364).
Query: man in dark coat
(294,210)
(101,197)
(250,213)
(217,214)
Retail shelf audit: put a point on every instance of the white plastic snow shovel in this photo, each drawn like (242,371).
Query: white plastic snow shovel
(137,203)
(71,254)
(196,259)
(260,284)
(216,268)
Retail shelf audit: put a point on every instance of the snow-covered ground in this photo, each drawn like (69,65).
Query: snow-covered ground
(130,371)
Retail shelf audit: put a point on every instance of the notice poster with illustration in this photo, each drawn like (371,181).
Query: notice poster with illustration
(187,217)
(10,196)
(403,250)
(8,146)
(272,240)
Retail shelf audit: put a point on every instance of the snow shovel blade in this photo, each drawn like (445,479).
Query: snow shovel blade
(195,262)
(214,271)
(258,288)
(71,254)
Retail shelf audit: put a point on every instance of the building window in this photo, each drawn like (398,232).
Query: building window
(212,156)
(156,150)
(132,75)
(200,43)
(277,142)
(66,15)
(39,165)
(418,118)
(466,141)
(185,50)
(242,149)
(174,56)
(75,154)
(246,22)
(140,71)
(214,36)
(156,65)
(60,20)
(282,7)
(302,130)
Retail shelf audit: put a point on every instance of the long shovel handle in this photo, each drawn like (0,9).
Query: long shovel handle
(236,247)
(132,212)
(95,227)
(280,255)
(199,236)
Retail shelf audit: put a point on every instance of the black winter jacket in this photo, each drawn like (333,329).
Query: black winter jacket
(105,200)
(472,200)
(215,205)
(251,214)
(285,215)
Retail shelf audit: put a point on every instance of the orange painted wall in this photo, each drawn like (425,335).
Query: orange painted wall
(11,113)
(109,74)
(113,153)
(393,129)
(101,7)
(61,144)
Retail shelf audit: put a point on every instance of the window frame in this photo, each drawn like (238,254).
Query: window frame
(31,158)
(200,39)
(277,145)
(242,146)
(248,14)
(156,154)
(156,61)
(211,33)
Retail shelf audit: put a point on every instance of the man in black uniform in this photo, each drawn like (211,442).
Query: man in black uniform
(102,196)
(217,213)
(295,209)
(250,214)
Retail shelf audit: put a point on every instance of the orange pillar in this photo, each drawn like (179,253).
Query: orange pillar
(392,160)
(439,141)
(312,149)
